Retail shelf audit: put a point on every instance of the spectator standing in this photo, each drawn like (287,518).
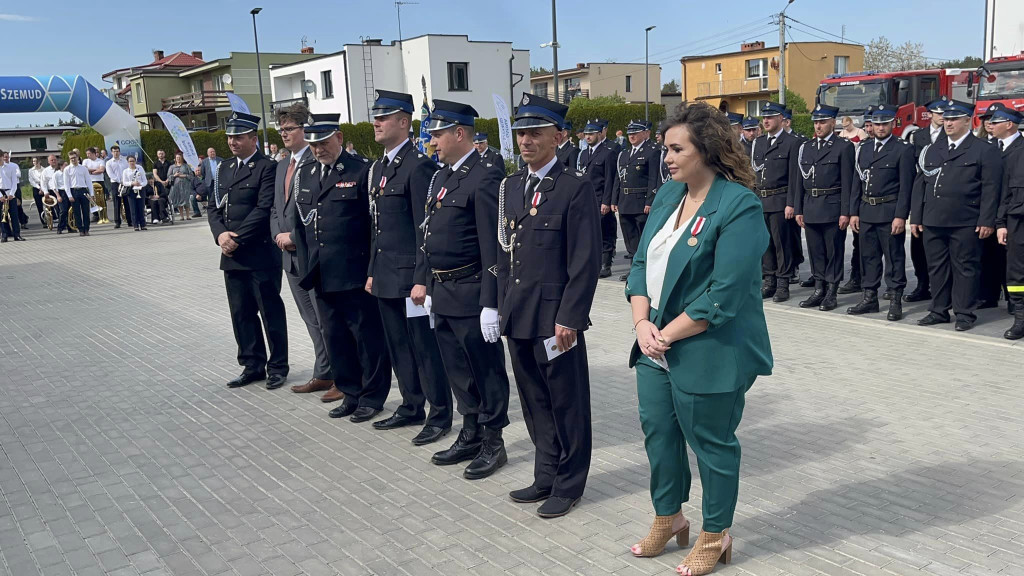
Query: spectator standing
(180,177)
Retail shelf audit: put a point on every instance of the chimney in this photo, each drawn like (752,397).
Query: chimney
(197,54)
(580,65)
(158,55)
(751,46)
(307,50)
(373,42)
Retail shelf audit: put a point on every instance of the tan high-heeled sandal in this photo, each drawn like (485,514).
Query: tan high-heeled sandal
(661,532)
(706,554)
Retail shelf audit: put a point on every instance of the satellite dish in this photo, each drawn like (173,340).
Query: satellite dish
(308,87)
(226,78)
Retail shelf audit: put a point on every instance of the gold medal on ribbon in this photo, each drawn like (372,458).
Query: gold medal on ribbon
(533,211)
(692,241)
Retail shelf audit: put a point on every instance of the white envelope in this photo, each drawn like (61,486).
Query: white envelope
(414,311)
(551,348)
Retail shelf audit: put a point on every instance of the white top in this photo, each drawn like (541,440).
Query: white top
(956,143)
(135,178)
(394,151)
(57,181)
(1009,140)
(91,165)
(35,176)
(77,177)
(115,168)
(458,164)
(10,175)
(934,132)
(658,252)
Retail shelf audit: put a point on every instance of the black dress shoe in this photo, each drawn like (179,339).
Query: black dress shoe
(624,277)
(466,447)
(364,413)
(851,287)
(275,381)
(932,319)
(918,295)
(345,409)
(430,434)
(809,283)
(19,239)
(556,506)
(529,495)
(605,272)
(396,420)
(246,378)
(491,457)
(964,325)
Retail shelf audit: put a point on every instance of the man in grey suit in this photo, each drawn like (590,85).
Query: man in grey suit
(207,174)
(289,123)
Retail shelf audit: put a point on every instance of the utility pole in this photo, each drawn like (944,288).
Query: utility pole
(554,46)
(647,66)
(398,5)
(782,54)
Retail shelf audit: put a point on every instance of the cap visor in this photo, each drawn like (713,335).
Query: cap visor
(237,131)
(318,136)
(523,123)
(378,112)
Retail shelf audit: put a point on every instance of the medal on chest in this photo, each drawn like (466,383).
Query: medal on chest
(534,202)
(440,196)
(698,225)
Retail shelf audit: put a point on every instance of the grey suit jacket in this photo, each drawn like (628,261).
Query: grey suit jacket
(280,213)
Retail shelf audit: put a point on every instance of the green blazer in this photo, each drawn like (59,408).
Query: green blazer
(718,280)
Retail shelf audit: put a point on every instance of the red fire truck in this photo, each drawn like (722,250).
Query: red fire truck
(909,91)
(1001,79)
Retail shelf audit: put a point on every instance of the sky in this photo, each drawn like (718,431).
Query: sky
(588,30)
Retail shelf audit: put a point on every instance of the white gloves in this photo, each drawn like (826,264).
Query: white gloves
(489,324)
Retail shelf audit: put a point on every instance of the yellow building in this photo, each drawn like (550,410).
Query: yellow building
(746,79)
(596,79)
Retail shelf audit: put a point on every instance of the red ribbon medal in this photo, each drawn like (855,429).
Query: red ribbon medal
(534,203)
(698,225)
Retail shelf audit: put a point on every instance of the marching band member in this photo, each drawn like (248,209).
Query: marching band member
(97,169)
(132,191)
(35,179)
(115,168)
(78,186)
(9,192)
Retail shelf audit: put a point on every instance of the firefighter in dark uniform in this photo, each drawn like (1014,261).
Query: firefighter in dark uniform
(398,271)
(239,216)
(852,285)
(955,208)
(749,134)
(822,206)
(461,250)
(550,240)
(491,157)
(885,169)
(797,232)
(999,124)
(922,137)
(1010,217)
(331,231)
(567,152)
(663,173)
(638,180)
(597,162)
(774,159)
(736,123)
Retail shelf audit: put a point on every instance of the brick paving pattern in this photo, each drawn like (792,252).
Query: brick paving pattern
(876,448)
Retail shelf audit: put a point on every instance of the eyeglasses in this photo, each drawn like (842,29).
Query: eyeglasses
(289,129)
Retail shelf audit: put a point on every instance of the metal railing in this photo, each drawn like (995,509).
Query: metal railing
(736,86)
(206,99)
(564,96)
(282,104)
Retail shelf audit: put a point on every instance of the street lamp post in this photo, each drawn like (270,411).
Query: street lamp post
(782,54)
(259,76)
(647,66)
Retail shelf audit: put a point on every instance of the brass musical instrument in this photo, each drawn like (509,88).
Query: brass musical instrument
(101,201)
(5,212)
(49,203)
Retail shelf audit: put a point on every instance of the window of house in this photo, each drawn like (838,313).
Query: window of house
(218,82)
(137,88)
(758,70)
(718,68)
(458,76)
(629,83)
(842,64)
(37,143)
(326,85)
(540,89)
(754,107)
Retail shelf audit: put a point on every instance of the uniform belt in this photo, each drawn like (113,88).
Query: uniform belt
(772,192)
(634,191)
(815,192)
(876,200)
(457,273)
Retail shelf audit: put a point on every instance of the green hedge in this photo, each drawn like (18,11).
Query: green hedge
(153,140)
(802,124)
(617,115)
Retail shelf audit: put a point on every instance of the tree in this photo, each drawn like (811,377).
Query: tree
(794,101)
(883,56)
(670,88)
(539,71)
(967,63)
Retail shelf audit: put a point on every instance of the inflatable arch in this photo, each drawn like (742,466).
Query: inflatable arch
(75,95)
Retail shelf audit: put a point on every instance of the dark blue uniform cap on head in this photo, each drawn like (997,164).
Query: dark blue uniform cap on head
(824,112)
(447,114)
(772,109)
(999,112)
(320,127)
(734,118)
(240,123)
(636,126)
(938,106)
(480,137)
(749,123)
(592,127)
(958,109)
(387,102)
(883,113)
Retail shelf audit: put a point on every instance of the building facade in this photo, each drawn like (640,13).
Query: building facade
(597,79)
(35,141)
(746,79)
(448,67)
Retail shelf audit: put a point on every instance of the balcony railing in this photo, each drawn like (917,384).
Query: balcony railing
(736,87)
(282,104)
(564,96)
(205,100)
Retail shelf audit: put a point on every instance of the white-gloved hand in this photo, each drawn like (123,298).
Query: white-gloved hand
(489,324)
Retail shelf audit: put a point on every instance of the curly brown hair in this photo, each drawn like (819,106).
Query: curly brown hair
(715,140)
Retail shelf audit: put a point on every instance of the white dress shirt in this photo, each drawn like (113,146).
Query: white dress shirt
(463,159)
(394,151)
(115,168)
(542,172)
(935,132)
(1009,140)
(956,143)
(35,177)
(10,175)
(91,165)
(77,177)
(57,182)
(658,252)
(135,178)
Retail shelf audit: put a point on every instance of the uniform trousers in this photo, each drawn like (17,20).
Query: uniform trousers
(63,209)
(920,261)
(671,419)
(632,227)
(37,196)
(81,207)
(826,245)
(355,343)
(117,202)
(417,362)
(954,268)
(305,301)
(778,258)
(1015,255)
(555,397)
(254,298)
(137,209)
(993,269)
(878,243)
(798,245)
(608,237)
(475,369)
(855,259)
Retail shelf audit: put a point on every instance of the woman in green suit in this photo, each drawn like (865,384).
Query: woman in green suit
(694,288)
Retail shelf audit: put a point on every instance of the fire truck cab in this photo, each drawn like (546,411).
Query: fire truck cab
(1001,79)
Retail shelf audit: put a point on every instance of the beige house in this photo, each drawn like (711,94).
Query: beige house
(596,79)
(744,80)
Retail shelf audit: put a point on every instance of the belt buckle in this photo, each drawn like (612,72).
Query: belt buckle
(872,202)
(763,193)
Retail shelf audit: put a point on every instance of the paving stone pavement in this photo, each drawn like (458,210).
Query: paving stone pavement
(875,448)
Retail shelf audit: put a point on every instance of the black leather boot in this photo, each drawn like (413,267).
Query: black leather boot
(781,290)
(816,297)
(606,266)
(918,294)
(851,287)
(895,306)
(867,304)
(466,447)
(830,302)
(768,287)
(1016,332)
(491,457)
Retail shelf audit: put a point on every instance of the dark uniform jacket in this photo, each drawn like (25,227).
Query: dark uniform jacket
(825,196)
(598,164)
(887,193)
(1012,203)
(551,274)
(463,232)
(246,212)
(639,178)
(496,161)
(746,145)
(923,137)
(965,192)
(778,162)
(398,193)
(333,248)
(569,154)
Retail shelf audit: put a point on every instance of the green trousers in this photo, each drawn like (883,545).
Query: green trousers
(671,419)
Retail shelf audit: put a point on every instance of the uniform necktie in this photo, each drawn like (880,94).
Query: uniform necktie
(1001,146)
(288,177)
(771,141)
(531,185)
(878,147)
(324,171)
(952,146)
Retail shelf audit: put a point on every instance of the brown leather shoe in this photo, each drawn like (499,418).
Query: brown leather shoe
(332,395)
(314,385)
